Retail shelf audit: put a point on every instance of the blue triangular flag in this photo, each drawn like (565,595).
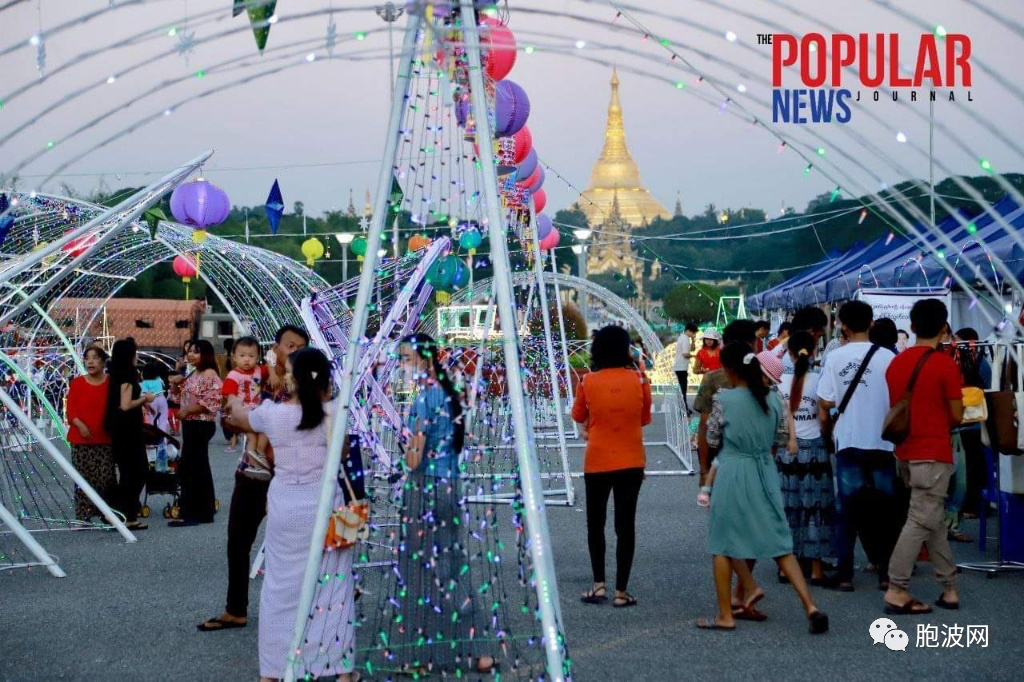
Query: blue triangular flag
(6,219)
(275,207)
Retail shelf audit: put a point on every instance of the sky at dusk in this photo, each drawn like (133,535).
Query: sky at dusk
(318,127)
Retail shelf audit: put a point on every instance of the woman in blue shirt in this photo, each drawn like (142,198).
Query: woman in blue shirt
(436,599)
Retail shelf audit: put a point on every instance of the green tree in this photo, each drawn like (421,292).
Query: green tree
(692,302)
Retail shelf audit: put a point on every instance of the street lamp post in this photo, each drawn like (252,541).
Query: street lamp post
(389,13)
(582,235)
(344,238)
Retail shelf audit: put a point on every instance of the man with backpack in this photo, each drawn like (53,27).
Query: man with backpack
(925,393)
(853,399)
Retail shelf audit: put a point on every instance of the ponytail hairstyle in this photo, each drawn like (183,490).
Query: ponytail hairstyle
(311,373)
(428,349)
(801,348)
(739,357)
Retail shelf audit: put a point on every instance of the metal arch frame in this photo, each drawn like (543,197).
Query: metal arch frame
(677,434)
(480,291)
(44,318)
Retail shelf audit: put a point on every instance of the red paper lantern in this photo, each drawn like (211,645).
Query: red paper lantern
(530,181)
(524,143)
(499,45)
(540,200)
(184,268)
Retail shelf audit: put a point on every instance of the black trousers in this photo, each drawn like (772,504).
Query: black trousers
(625,484)
(248,507)
(132,466)
(194,475)
(682,377)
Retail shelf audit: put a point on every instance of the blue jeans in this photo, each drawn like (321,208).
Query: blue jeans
(868,506)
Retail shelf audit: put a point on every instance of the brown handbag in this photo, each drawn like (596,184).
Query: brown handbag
(896,426)
(1002,421)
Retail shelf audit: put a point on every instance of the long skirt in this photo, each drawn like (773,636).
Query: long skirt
(96,464)
(440,613)
(329,647)
(809,498)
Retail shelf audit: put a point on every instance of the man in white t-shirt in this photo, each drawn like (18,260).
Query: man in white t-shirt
(684,353)
(865,468)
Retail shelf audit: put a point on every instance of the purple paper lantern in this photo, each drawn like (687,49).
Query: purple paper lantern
(544,226)
(200,205)
(527,167)
(512,108)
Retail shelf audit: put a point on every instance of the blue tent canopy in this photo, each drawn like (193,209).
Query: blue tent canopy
(896,262)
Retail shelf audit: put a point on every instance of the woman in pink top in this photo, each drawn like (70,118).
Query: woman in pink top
(200,403)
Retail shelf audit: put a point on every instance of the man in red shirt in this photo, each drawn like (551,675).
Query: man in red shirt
(925,458)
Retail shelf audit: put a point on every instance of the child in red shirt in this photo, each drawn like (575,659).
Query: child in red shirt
(245,381)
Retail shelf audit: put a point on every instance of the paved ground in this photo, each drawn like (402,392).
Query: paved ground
(128,612)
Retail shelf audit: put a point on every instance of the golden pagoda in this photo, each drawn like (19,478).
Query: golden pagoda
(616,175)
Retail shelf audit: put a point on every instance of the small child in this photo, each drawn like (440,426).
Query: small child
(244,381)
(152,383)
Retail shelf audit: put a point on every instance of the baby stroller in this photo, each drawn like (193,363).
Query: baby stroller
(161,482)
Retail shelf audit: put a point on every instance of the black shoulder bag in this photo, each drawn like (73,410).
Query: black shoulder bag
(827,436)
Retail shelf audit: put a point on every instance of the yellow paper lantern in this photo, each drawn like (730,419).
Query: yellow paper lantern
(312,249)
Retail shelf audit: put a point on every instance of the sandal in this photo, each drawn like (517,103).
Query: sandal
(957,536)
(215,624)
(623,602)
(818,623)
(749,613)
(907,609)
(711,623)
(948,605)
(136,525)
(595,596)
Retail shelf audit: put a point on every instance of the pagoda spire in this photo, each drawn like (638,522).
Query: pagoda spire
(368,205)
(679,205)
(351,210)
(616,172)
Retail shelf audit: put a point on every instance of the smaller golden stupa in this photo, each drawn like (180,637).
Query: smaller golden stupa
(616,176)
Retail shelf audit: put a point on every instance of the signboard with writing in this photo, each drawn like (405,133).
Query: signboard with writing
(896,305)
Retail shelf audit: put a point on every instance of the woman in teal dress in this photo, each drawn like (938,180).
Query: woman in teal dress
(748,518)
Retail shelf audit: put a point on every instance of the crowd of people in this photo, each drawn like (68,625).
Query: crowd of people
(833,474)
(795,465)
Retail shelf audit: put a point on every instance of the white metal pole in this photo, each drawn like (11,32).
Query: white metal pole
(538,265)
(931,158)
(329,484)
(344,262)
(533,498)
(63,463)
(565,343)
(10,520)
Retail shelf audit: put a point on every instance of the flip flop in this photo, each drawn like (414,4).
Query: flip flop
(907,609)
(750,613)
(215,624)
(628,600)
(948,605)
(709,623)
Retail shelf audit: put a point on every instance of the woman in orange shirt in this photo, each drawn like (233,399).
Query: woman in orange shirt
(613,403)
(91,452)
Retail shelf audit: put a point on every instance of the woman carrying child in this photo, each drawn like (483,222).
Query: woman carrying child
(299,432)
(748,518)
